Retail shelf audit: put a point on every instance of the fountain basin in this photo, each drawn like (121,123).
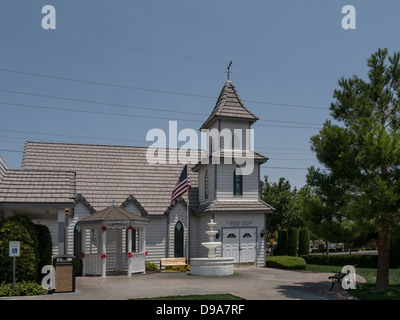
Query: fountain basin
(211,267)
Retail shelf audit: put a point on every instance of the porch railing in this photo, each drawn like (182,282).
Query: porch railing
(93,264)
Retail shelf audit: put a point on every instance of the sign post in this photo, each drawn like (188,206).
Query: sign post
(14,251)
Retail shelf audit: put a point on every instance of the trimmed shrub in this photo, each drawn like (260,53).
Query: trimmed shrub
(286,262)
(151,266)
(21,289)
(293,240)
(18,228)
(45,245)
(304,241)
(361,260)
(282,246)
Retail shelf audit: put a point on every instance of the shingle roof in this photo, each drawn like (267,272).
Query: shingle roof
(114,213)
(3,168)
(229,105)
(38,186)
(234,206)
(111,173)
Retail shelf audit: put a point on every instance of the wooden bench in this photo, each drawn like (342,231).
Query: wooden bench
(170,262)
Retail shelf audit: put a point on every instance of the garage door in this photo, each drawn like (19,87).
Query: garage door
(240,244)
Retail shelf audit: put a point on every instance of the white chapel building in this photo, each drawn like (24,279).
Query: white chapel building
(113,190)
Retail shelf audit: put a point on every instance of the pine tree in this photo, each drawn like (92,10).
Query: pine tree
(359,188)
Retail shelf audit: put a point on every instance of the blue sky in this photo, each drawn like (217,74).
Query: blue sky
(169,59)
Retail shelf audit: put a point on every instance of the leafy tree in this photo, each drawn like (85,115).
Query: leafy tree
(358,191)
(284,200)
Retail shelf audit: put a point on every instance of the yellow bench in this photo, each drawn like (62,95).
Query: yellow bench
(170,262)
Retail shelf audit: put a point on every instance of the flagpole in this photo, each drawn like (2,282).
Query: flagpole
(187,212)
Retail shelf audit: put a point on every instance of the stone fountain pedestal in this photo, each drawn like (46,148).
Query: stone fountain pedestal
(212,265)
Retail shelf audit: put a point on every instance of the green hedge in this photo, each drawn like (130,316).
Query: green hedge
(21,289)
(286,262)
(293,241)
(361,260)
(45,245)
(282,246)
(304,241)
(19,228)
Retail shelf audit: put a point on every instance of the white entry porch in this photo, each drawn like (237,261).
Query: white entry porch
(113,240)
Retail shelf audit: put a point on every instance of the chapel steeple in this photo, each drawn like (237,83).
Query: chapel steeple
(229,106)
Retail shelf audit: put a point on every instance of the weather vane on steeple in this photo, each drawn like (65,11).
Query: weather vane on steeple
(229,70)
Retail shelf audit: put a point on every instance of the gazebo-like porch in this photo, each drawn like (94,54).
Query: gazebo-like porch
(113,239)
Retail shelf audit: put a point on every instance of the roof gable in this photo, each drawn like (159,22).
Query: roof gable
(114,213)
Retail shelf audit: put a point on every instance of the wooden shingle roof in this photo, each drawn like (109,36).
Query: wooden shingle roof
(114,213)
(229,106)
(235,206)
(105,174)
(38,186)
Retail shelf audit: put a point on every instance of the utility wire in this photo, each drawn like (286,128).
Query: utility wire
(141,108)
(133,115)
(152,90)
(168,54)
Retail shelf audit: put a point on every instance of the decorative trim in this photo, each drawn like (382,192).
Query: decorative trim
(132,199)
(81,198)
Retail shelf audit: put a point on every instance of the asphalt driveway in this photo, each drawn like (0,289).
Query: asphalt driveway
(248,282)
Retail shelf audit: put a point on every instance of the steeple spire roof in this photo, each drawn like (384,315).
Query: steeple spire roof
(229,106)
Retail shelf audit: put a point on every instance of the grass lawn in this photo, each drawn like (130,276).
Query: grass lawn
(365,291)
(221,296)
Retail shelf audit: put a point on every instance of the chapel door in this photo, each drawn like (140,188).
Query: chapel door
(178,240)
(247,244)
(230,243)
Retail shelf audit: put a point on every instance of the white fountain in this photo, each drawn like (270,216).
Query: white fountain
(212,265)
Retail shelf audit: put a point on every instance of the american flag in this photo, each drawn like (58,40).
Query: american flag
(182,185)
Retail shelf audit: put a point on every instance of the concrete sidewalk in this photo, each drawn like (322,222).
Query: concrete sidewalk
(248,282)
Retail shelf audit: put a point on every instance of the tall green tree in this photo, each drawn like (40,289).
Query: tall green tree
(284,200)
(359,188)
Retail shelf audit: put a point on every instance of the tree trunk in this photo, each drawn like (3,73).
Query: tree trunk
(382,277)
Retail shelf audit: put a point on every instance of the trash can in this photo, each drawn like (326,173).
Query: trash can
(65,273)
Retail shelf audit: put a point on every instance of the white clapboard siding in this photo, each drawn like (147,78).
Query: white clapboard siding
(156,235)
(225,183)
(80,211)
(211,183)
(235,124)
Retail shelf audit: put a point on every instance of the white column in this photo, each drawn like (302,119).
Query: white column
(61,230)
(143,234)
(103,240)
(84,251)
(129,235)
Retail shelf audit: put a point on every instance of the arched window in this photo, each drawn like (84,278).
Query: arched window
(237,182)
(178,240)
(206,185)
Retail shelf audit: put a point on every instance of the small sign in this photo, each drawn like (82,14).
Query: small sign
(14,248)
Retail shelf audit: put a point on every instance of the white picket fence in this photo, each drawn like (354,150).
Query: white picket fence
(93,264)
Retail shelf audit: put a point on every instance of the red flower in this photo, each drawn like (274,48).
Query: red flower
(129,254)
(146,253)
(103,228)
(103,255)
(82,255)
(130,228)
